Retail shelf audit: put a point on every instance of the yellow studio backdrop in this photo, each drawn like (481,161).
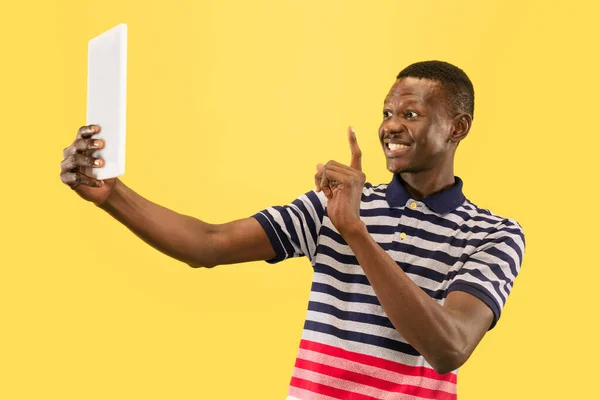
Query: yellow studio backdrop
(230,106)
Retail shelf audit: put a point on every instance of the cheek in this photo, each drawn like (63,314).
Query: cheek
(380,131)
(434,141)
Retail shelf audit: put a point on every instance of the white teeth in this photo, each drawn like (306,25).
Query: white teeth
(396,146)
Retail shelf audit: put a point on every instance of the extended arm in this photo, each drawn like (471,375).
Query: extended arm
(194,242)
(187,239)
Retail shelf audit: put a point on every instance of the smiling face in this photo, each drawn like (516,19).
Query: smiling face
(418,132)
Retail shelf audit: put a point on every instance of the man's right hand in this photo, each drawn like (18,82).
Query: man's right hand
(194,242)
(77,158)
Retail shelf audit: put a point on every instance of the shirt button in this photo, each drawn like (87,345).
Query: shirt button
(413,205)
(402,236)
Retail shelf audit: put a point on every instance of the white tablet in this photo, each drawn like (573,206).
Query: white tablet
(106,98)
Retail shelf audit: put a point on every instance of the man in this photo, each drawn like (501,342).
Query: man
(408,276)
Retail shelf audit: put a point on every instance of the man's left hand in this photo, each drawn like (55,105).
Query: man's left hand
(343,185)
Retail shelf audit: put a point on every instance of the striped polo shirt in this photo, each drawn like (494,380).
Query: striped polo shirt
(444,242)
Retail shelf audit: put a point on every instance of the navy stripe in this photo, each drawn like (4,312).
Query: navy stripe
(430,254)
(510,242)
(340,295)
(276,243)
(475,273)
(330,233)
(504,257)
(289,225)
(481,294)
(470,217)
(361,337)
(446,223)
(381,212)
(316,203)
(350,315)
(341,258)
(363,280)
(381,229)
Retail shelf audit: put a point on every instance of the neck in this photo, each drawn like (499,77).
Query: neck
(426,183)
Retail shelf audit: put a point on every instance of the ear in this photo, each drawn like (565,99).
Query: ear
(460,127)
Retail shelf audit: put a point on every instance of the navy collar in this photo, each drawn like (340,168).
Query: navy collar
(441,202)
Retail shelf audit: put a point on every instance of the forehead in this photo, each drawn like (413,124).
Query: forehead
(415,90)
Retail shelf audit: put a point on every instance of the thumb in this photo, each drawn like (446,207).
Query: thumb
(356,160)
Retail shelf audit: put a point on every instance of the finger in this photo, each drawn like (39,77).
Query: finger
(356,160)
(78,160)
(318,177)
(335,178)
(83,145)
(87,131)
(324,183)
(74,179)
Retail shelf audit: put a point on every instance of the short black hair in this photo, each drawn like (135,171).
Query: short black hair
(460,95)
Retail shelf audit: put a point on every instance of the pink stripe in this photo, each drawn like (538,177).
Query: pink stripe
(351,386)
(376,372)
(328,390)
(377,362)
(360,379)
(296,393)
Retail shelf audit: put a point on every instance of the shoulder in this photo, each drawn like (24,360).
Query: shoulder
(496,226)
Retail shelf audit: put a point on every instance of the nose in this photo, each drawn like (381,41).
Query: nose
(391,126)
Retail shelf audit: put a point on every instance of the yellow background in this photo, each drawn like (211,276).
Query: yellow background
(230,106)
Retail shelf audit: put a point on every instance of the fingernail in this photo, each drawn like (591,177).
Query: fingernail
(97,162)
(97,144)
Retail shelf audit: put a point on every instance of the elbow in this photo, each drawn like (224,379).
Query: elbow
(201,265)
(449,361)
(201,262)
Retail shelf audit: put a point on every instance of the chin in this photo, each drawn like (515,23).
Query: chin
(397,166)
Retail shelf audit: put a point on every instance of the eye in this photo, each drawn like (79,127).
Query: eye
(410,114)
(387,114)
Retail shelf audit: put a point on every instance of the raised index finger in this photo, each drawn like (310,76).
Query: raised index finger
(356,161)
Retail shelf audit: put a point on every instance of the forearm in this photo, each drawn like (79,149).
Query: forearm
(179,236)
(425,324)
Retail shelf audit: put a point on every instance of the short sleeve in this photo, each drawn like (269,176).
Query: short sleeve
(490,271)
(293,229)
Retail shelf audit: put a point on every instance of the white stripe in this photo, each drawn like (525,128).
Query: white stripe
(358,288)
(365,308)
(310,247)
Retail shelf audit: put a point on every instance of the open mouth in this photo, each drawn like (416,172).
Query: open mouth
(395,149)
(396,146)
